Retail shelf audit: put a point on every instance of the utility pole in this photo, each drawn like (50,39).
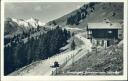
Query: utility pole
(66,60)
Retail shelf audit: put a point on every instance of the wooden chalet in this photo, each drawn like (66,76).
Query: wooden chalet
(104,34)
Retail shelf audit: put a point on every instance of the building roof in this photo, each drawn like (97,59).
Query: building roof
(104,25)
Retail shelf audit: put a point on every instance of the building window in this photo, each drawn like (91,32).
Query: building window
(102,43)
(90,32)
(109,32)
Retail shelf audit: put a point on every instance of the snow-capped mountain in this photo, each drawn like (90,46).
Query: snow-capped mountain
(34,23)
(12,25)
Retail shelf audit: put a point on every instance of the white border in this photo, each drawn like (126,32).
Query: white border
(64,78)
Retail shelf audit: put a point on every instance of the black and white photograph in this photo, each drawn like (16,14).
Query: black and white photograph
(63,39)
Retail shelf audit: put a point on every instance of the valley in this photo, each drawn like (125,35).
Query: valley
(31,47)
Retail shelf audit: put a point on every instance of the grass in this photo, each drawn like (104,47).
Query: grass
(106,60)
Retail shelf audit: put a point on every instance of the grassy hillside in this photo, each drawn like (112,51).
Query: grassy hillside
(104,60)
(98,12)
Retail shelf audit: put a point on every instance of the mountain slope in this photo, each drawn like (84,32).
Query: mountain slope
(20,51)
(43,67)
(105,61)
(92,12)
(75,22)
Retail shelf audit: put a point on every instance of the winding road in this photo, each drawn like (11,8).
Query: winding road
(43,67)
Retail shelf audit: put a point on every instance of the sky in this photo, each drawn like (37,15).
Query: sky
(44,11)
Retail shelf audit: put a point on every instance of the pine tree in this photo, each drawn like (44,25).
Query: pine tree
(73,45)
(46,45)
(54,23)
